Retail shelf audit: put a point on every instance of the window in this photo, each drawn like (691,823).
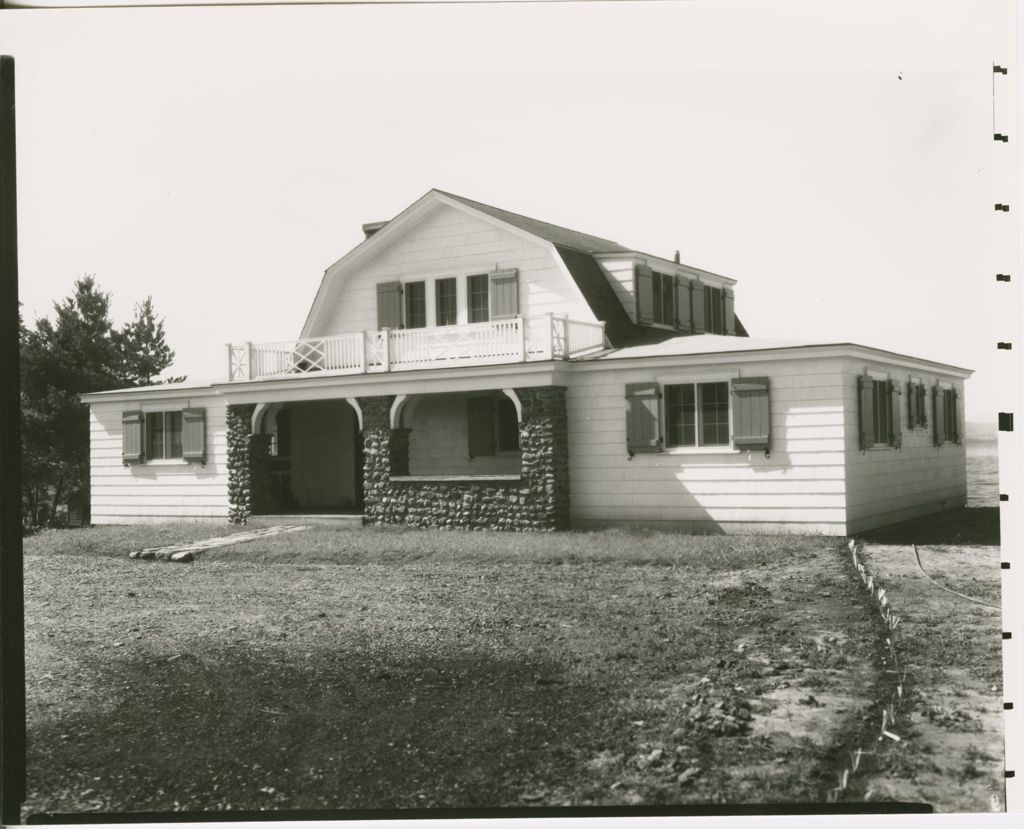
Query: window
(446,302)
(663,286)
(917,406)
(479,310)
(878,412)
(493,426)
(697,414)
(947,421)
(714,310)
(415,305)
(163,435)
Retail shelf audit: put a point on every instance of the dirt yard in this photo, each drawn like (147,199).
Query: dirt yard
(430,670)
(952,753)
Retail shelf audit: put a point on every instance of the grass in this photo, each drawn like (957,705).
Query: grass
(357,669)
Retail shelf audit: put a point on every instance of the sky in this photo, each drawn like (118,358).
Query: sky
(836,158)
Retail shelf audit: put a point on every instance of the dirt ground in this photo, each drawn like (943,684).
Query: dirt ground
(952,752)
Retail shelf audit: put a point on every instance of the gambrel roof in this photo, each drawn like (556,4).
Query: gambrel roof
(576,250)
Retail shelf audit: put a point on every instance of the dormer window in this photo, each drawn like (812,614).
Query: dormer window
(714,310)
(416,305)
(479,298)
(664,287)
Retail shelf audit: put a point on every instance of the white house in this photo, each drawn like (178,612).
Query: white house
(466,366)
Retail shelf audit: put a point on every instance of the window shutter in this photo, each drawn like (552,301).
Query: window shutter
(866,407)
(922,405)
(911,405)
(389,305)
(697,301)
(480,424)
(644,292)
(896,436)
(504,293)
(131,437)
(954,427)
(730,313)
(643,403)
(938,412)
(683,311)
(751,415)
(193,434)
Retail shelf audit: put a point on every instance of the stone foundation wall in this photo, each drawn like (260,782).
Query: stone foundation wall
(538,501)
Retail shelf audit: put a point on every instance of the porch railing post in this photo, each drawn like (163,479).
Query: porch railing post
(385,351)
(362,352)
(231,351)
(249,368)
(521,323)
(549,347)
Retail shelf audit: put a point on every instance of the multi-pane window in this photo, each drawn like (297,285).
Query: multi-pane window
(479,297)
(163,435)
(714,310)
(415,305)
(446,306)
(697,414)
(663,285)
(882,411)
(948,401)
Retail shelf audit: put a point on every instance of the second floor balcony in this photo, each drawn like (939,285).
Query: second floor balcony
(514,340)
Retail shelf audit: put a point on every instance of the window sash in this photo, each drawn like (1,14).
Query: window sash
(697,414)
(415,305)
(446,302)
(882,414)
(714,310)
(163,436)
(479,299)
(663,290)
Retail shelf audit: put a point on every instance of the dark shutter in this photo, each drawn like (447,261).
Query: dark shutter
(131,437)
(866,410)
(643,404)
(922,405)
(954,427)
(644,292)
(730,313)
(504,294)
(911,405)
(389,305)
(683,311)
(751,414)
(480,424)
(896,430)
(193,434)
(939,414)
(698,301)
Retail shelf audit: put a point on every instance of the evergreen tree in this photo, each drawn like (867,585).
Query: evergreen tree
(79,352)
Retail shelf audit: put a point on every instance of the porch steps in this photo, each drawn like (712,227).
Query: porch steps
(347,520)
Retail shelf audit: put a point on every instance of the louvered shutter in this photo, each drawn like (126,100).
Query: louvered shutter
(896,427)
(730,313)
(643,430)
(697,302)
(644,292)
(866,410)
(504,294)
(939,414)
(131,437)
(922,405)
(911,405)
(682,304)
(480,423)
(193,434)
(751,413)
(954,427)
(389,305)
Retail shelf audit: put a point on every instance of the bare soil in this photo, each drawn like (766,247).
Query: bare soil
(417,678)
(952,752)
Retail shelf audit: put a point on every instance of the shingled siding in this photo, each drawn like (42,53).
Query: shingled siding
(537,500)
(800,487)
(157,490)
(452,243)
(886,485)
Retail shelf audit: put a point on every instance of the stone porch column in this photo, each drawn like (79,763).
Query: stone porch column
(239,466)
(385,453)
(544,441)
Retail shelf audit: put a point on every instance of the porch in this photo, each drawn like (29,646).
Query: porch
(513,340)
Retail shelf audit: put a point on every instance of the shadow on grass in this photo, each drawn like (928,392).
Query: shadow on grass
(362,729)
(973,525)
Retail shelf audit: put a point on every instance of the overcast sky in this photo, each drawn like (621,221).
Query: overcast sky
(834,157)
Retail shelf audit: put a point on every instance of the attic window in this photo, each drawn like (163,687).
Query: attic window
(479,298)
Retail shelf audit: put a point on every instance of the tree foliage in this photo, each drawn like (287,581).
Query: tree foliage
(79,352)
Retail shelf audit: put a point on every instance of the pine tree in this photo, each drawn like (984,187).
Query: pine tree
(78,353)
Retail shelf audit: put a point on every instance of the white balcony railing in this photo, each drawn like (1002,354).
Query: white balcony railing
(515,340)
